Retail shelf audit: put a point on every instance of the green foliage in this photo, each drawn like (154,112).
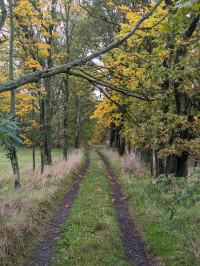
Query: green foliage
(173,192)
(10,136)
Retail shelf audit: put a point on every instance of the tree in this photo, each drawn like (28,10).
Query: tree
(152,69)
(12,153)
(37,75)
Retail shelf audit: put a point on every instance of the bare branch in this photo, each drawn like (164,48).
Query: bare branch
(97,81)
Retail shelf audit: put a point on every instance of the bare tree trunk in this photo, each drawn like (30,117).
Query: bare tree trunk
(65,119)
(112,134)
(129,146)
(48,111)
(33,135)
(47,123)
(41,101)
(78,123)
(160,166)
(13,152)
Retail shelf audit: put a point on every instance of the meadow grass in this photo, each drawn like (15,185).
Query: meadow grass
(173,242)
(24,158)
(91,234)
(24,212)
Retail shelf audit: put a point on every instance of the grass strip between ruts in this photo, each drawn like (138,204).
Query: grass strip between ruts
(91,235)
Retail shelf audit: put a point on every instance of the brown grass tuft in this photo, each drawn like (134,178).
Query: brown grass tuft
(23,212)
(129,161)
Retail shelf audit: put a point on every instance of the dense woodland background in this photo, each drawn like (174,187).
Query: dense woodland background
(143,94)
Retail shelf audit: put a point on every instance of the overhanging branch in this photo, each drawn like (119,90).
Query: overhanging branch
(36,76)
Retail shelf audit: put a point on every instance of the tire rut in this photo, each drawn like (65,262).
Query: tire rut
(42,255)
(136,252)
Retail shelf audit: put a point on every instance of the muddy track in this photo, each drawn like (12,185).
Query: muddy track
(42,255)
(136,252)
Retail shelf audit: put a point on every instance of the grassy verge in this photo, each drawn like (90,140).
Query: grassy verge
(177,242)
(24,212)
(91,234)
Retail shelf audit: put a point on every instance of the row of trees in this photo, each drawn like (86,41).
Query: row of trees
(157,77)
(150,82)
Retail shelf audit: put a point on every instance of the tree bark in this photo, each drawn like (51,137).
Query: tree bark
(78,123)
(160,166)
(129,146)
(65,119)
(145,154)
(13,152)
(112,134)
(47,123)
(33,135)
(41,101)
(121,148)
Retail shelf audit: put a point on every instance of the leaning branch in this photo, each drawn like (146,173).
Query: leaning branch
(35,76)
(102,83)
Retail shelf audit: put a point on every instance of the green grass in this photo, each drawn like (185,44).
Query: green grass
(24,157)
(91,235)
(175,241)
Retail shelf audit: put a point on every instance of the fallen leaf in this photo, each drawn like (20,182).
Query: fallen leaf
(107,197)
(113,199)
(122,198)
(66,206)
(98,190)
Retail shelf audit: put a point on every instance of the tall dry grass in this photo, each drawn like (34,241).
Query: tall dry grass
(130,161)
(24,211)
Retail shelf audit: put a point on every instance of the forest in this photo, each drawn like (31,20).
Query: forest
(114,84)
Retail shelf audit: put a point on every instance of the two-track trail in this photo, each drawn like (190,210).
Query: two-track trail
(137,254)
(42,255)
(95,231)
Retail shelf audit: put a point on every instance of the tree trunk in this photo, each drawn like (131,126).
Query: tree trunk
(151,161)
(41,132)
(117,141)
(178,165)
(112,134)
(33,135)
(15,167)
(160,166)
(65,120)
(78,123)
(121,148)
(13,152)
(47,123)
(129,146)
(48,111)
(145,154)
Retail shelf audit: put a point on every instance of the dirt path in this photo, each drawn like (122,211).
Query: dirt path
(43,253)
(137,254)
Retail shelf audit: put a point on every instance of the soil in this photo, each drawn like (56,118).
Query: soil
(136,252)
(42,255)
